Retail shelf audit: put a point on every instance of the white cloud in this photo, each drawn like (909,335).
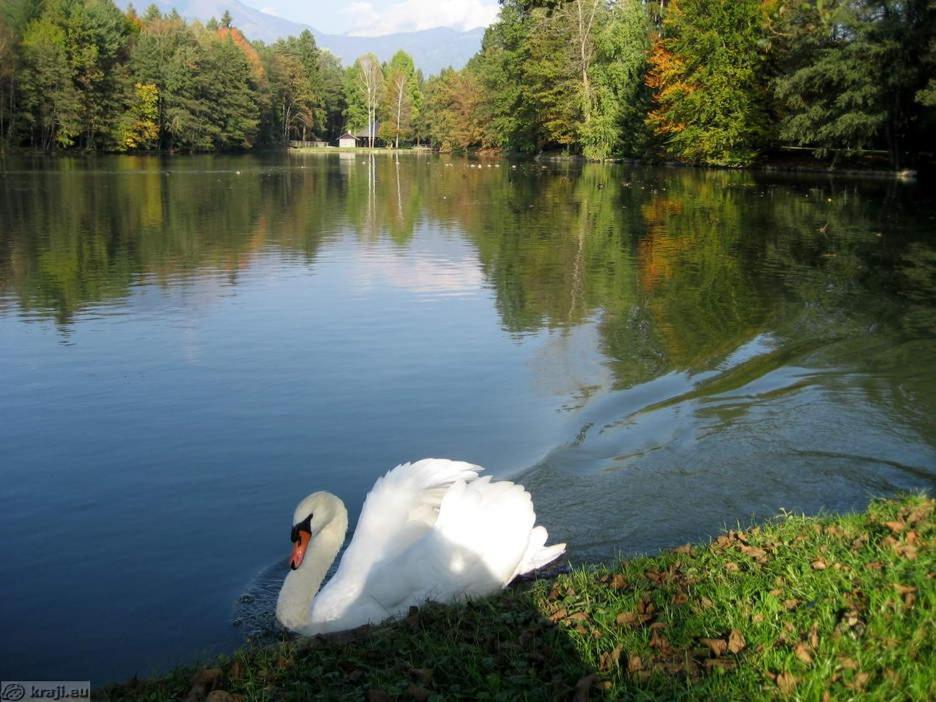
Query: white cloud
(270,11)
(414,15)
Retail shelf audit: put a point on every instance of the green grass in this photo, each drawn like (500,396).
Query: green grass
(838,607)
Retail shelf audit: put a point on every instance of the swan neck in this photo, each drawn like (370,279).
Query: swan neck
(294,605)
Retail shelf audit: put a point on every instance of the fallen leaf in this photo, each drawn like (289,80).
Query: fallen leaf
(422,675)
(578,617)
(659,642)
(685,549)
(736,642)
(680,598)
(814,636)
(732,567)
(634,664)
(609,660)
(786,681)
(804,653)
(705,602)
(758,554)
(874,565)
(908,551)
(819,564)
(558,615)
(790,604)
(618,582)
(848,663)
(895,527)
(904,589)
(716,646)
(627,618)
(859,681)
(583,686)
(418,693)
(757,618)
(219,696)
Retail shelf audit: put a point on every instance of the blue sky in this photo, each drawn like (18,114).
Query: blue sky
(375,17)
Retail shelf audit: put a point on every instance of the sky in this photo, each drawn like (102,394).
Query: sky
(376,17)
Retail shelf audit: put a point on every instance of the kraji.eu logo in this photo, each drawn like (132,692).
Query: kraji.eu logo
(55,690)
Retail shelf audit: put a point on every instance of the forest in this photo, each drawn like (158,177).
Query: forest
(715,82)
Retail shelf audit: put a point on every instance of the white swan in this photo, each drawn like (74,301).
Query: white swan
(430,530)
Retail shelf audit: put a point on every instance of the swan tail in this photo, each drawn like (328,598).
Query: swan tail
(538,554)
(495,521)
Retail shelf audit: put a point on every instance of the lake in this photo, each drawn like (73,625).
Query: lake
(190,345)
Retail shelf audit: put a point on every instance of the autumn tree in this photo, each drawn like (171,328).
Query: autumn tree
(708,83)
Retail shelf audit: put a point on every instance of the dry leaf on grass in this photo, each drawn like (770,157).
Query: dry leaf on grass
(736,642)
(609,660)
(558,615)
(804,653)
(583,686)
(819,564)
(716,646)
(786,682)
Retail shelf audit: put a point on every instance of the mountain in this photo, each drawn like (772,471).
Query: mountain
(431,49)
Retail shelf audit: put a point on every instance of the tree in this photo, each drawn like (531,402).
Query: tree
(332,94)
(138,127)
(363,90)
(707,78)
(51,102)
(619,99)
(452,98)
(399,105)
(850,72)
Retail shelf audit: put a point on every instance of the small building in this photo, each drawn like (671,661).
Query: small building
(359,138)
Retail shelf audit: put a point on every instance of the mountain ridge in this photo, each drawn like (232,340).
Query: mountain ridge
(431,49)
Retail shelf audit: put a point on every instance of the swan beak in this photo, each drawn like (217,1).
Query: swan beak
(299,549)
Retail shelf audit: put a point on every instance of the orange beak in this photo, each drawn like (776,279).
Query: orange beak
(299,549)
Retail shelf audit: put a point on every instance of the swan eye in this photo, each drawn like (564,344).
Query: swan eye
(305,525)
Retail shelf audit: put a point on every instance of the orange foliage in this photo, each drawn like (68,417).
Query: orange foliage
(666,80)
(250,53)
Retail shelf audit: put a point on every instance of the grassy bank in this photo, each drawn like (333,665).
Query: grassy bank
(802,608)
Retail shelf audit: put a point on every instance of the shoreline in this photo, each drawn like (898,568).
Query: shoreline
(767,165)
(833,605)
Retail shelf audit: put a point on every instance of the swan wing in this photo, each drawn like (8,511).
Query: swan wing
(484,536)
(401,507)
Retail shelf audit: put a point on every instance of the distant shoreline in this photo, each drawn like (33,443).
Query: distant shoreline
(769,164)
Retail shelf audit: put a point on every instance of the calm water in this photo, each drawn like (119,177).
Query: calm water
(189,346)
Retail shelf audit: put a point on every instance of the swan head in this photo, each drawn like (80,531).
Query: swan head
(312,515)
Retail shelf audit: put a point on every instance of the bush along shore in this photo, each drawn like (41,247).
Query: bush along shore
(813,608)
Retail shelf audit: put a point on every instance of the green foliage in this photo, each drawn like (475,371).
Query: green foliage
(620,99)
(850,70)
(711,82)
(708,81)
(399,108)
